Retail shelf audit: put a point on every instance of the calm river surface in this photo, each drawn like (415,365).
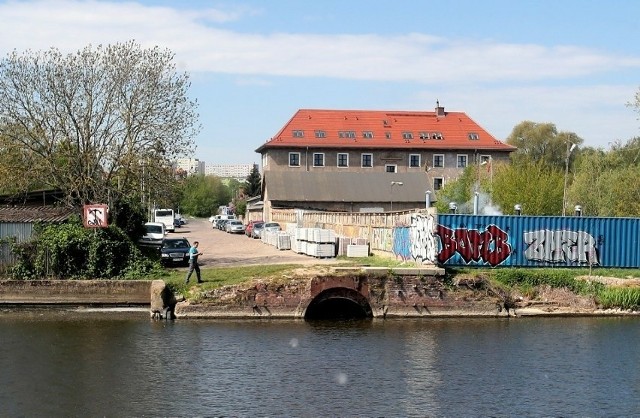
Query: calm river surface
(122,364)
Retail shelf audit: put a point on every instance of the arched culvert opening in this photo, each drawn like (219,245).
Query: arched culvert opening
(338,304)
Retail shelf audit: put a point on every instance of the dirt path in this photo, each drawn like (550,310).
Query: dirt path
(222,249)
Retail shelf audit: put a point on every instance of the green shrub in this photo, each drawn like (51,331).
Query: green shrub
(70,251)
(557,278)
(615,297)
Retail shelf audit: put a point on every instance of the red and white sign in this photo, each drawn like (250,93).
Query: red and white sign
(95,216)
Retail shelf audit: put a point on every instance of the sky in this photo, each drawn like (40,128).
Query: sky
(254,63)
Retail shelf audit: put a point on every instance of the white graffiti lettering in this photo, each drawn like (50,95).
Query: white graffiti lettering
(424,245)
(561,247)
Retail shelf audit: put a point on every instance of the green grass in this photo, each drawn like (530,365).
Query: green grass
(619,297)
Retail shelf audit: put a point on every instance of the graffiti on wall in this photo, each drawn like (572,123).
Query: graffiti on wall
(490,246)
(416,242)
(561,247)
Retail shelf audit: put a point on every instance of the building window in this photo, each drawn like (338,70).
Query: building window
(484,159)
(321,134)
(473,136)
(298,133)
(391,168)
(438,160)
(414,160)
(367,160)
(407,135)
(346,134)
(462,161)
(438,182)
(424,135)
(387,135)
(367,134)
(343,160)
(318,160)
(294,159)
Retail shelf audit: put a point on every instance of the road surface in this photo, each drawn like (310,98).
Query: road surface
(221,249)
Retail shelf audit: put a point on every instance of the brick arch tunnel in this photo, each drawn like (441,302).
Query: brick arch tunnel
(338,303)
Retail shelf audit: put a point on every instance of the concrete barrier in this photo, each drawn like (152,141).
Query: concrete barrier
(75,292)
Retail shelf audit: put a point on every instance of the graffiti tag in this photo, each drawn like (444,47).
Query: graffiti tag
(561,247)
(489,246)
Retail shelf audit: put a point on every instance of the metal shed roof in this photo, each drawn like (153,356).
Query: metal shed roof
(32,214)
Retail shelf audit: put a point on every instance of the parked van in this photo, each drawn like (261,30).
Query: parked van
(167,217)
(154,234)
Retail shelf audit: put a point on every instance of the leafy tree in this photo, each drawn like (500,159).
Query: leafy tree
(459,191)
(532,184)
(608,183)
(254,182)
(99,124)
(202,195)
(541,142)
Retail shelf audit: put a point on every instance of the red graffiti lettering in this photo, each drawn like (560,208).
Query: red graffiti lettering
(489,246)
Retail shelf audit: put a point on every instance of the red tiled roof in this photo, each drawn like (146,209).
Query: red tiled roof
(452,130)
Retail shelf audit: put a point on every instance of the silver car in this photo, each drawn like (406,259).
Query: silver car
(234,226)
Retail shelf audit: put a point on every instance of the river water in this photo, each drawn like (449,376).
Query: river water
(65,364)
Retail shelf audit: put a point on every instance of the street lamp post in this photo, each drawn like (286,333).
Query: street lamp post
(570,148)
(394,183)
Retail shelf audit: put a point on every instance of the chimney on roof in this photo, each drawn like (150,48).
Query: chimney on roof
(439,109)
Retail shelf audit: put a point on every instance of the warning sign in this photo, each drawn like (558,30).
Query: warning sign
(95,216)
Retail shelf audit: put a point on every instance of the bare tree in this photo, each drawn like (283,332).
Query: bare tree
(98,124)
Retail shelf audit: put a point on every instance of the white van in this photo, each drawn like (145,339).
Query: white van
(154,234)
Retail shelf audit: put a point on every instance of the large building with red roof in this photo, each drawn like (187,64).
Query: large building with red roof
(370,160)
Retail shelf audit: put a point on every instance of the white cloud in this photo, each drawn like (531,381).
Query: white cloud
(200,46)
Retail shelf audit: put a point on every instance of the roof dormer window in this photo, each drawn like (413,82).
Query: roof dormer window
(407,135)
(387,135)
(473,136)
(297,133)
(367,134)
(424,135)
(346,134)
(321,134)
(436,135)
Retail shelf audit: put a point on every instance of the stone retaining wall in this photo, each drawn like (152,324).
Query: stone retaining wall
(76,292)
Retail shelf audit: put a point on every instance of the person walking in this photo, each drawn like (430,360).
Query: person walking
(193,262)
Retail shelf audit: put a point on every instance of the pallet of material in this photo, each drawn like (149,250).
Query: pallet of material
(354,250)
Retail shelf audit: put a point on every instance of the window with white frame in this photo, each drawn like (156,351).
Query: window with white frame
(414,160)
(438,160)
(462,160)
(294,159)
(484,159)
(321,134)
(297,133)
(390,168)
(367,160)
(367,134)
(318,159)
(343,159)
(438,183)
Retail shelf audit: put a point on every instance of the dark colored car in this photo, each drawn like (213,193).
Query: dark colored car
(175,251)
(250,226)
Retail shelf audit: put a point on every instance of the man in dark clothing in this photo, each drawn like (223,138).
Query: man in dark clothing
(193,262)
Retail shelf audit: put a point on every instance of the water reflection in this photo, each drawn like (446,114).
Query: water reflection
(126,365)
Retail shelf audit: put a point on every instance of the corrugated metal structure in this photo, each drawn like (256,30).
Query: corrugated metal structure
(18,223)
(537,241)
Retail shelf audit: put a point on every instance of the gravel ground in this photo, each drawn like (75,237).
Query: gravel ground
(221,249)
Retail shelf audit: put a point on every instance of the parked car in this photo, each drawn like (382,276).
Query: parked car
(175,251)
(234,226)
(256,231)
(220,224)
(249,227)
(271,227)
(153,235)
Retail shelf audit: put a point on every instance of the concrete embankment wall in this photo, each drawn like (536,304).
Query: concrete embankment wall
(76,292)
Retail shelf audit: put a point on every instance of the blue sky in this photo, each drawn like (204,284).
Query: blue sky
(254,63)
